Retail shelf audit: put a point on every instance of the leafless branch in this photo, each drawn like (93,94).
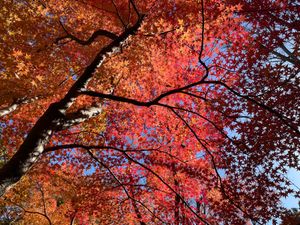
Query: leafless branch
(215,168)
(118,14)
(89,41)
(280,116)
(165,183)
(121,184)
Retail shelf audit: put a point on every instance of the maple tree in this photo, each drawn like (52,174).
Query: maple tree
(161,112)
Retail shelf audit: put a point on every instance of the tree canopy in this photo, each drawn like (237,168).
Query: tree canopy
(148,112)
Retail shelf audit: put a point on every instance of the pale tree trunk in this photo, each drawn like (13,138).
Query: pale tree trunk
(55,118)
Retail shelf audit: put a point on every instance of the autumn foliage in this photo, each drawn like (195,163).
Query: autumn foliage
(148,112)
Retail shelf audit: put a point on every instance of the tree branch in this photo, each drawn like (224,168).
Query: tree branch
(246,97)
(165,183)
(118,14)
(214,167)
(38,137)
(121,184)
(135,8)
(29,211)
(16,104)
(155,101)
(80,116)
(88,148)
(90,40)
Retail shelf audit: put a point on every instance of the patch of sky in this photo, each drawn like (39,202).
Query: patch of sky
(200,155)
(6,216)
(294,176)
(57,143)
(291,202)
(130,141)
(231,133)
(143,134)
(63,19)
(73,74)
(173,11)
(142,181)
(59,160)
(89,171)
(149,131)
(2,68)
(207,60)
(49,14)
(222,173)
(31,42)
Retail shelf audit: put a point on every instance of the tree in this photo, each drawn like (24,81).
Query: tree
(50,197)
(160,103)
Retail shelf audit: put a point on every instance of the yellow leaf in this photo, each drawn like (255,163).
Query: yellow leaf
(21,66)
(40,78)
(27,56)
(33,83)
(180,22)
(11,33)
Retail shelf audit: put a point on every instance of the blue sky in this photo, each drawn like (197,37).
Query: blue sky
(292,202)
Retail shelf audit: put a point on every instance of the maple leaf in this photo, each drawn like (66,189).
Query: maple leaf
(40,78)
(17,53)
(33,83)
(27,56)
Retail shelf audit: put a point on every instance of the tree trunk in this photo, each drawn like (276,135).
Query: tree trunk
(54,117)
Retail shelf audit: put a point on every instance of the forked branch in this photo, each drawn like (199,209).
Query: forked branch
(90,40)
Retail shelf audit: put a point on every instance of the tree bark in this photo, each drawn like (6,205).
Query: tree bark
(54,117)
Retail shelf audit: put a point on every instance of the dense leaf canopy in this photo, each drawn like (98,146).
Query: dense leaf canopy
(148,112)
